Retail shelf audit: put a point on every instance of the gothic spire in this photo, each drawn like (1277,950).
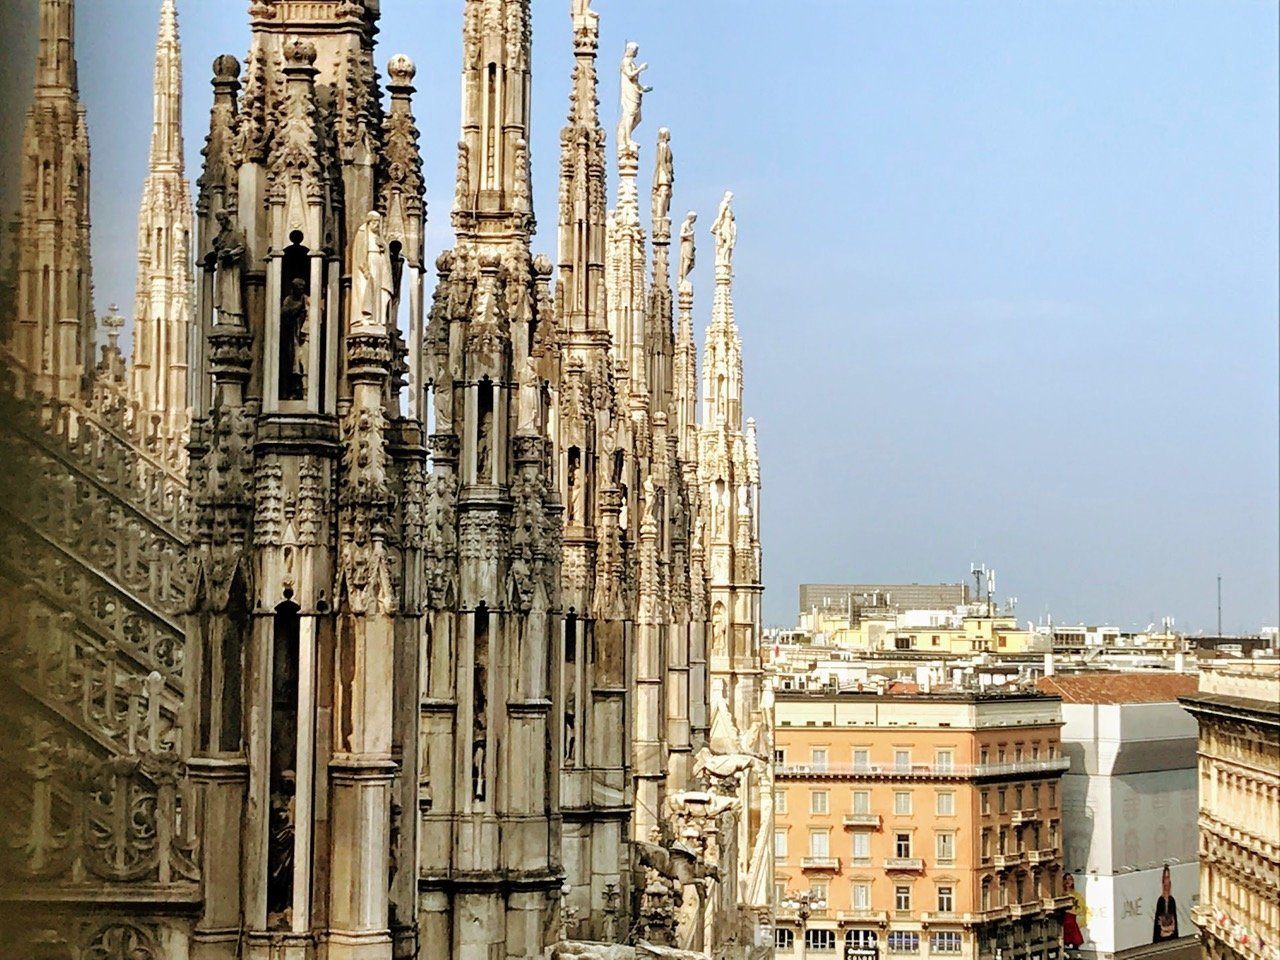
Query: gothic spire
(166,128)
(722,353)
(163,306)
(494,189)
(56,63)
(53,338)
(580,287)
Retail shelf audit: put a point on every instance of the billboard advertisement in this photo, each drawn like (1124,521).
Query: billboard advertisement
(1134,909)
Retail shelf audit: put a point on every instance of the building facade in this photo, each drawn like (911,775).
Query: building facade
(1129,811)
(1237,707)
(919,824)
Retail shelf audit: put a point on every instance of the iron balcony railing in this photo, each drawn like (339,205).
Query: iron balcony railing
(923,770)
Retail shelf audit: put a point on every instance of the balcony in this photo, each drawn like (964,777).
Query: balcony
(1041,856)
(1003,861)
(1061,902)
(871,820)
(937,916)
(1032,909)
(991,914)
(820,863)
(904,864)
(863,916)
(921,771)
(1025,816)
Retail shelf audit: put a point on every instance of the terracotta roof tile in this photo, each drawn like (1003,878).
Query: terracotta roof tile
(1136,687)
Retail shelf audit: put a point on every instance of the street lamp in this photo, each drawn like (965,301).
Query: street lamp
(804,903)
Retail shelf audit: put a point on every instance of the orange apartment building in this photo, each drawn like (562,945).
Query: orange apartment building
(918,824)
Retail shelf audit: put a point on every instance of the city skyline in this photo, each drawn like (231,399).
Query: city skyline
(1042,299)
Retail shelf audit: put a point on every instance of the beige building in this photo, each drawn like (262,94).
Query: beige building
(919,824)
(1238,709)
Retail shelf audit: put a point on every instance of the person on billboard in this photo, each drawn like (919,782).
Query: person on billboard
(1071,935)
(1165,926)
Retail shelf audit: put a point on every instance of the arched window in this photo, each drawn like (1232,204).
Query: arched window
(284,754)
(484,432)
(860,939)
(820,940)
(784,938)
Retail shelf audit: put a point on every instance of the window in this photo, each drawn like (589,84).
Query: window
(985,756)
(820,940)
(818,801)
(902,845)
(902,898)
(1017,798)
(861,939)
(902,760)
(862,895)
(1004,841)
(1053,794)
(779,892)
(1000,755)
(862,848)
(946,902)
(945,761)
(779,801)
(818,843)
(945,941)
(1035,750)
(779,756)
(784,939)
(862,801)
(780,844)
(1053,833)
(986,893)
(902,803)
(1035,797)
(861,758)
(818,893)
(1017,753)
(818,758)
(946,848)
(904,941)
(986,843)
(946,804)
(986,801)
(1004,806)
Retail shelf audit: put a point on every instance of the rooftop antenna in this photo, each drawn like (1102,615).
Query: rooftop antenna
(1219,604)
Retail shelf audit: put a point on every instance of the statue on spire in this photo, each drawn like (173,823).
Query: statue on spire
(633,92)
(371,282)
(584,18)
(663,179)
(687,253)
(725,230)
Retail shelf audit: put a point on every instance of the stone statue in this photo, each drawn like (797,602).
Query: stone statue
(663,178)
(530,396)
(687,253)
(725,230)
(371,284)
(583,16)
(293,336)
(633,92)
(229,251)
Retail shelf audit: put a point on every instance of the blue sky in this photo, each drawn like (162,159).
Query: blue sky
(1006,273)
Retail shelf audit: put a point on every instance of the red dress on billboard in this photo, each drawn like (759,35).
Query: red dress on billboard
(1071,935)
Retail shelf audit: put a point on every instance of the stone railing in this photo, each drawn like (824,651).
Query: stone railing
(78,823)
